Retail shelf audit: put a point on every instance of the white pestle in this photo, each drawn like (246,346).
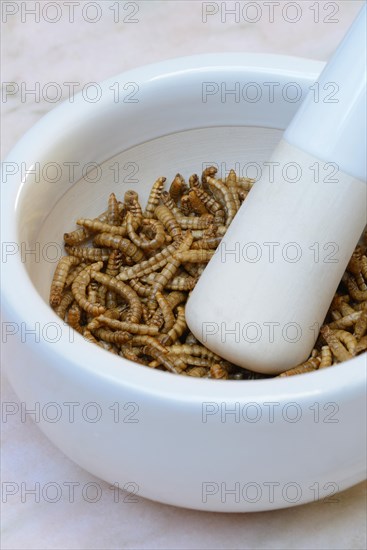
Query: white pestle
(264,295)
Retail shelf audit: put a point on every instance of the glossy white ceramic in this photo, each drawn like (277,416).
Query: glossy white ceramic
(203,444)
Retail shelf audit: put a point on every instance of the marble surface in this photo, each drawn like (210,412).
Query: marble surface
(34,53)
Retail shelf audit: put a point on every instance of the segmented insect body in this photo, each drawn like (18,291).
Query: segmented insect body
(59,278)
(154,197)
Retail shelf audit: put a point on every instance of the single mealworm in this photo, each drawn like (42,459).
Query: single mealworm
(74,316)
(129,354)
(131,199)
(197,372)
(88,253)
(73,273)
(197,204)
(167,312)
(360,328)
(66,300)
(354,291)
(154,196)
(161,358)
(181,283)
(147,266)
(309,366)
(96,226)
(326,357)
(59,278)
(167,218)
(361,345)
(210,171)
(334,343)
(141,242)
(231,182)
(229,202)
(218,371)
(124,290)
(112,337)
(186,207)
(133,328)
(212,205)
(194,182)
(79,288)
(210,243)
(141,289)
(345,322)
(177,188)
(194,349)
(178,328)
(113,212)
(119,243)
(194,256)
(188,222)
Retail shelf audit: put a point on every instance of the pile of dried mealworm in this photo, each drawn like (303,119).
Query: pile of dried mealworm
(126,287)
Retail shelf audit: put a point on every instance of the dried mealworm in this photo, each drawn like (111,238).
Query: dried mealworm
(334,343)
(229,202)
(194,181)
(154,196)
(194,256)
(167,218)
(364,267)
(210,243)
(131,199)
(140,241)
(112,337)
(361,345)
(124,290)
(178,328)
(188,222)
(59,278)
(161,358)
(354,291)
(326,357)
(177,188)
(345,322)
(88,253)
(133,328)
(347,339)
(197,372)
(197,204)
(168,270)
(119,243)
(181,283)
(231,182)
(113,212)
(147,266)
(74,316)
(340,303)
(167,312)
(73,273)
(96,226)
(79,288)
(141,289)
(129,354)
(360,328)
(186,208)
(194,349)
(66,300)
(212,205)
(309,366)
(210,171)
(218,371)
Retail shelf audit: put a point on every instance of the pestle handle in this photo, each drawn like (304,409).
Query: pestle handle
(264,295)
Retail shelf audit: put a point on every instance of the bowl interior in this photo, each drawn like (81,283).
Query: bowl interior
(242,148)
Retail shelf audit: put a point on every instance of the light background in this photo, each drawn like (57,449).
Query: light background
(85,52)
